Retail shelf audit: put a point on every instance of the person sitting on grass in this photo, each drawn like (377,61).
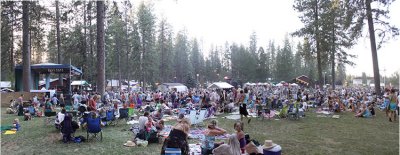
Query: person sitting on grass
(27,115)
(364,112)
(48,107)
(208,142)
(16,125)
(158,115)
(142,120)
(238,126)
(229,107)
(59,118)
(231,148)
(178,137)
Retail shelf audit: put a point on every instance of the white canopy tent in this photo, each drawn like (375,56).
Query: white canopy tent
(172,86)
(5,84)
(220,85)
(79,83)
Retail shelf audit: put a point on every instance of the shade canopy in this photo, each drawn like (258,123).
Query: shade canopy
(79,83)
(220,85)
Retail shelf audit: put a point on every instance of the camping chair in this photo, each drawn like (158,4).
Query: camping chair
(49,117)
(94,128)
(131,112)
(283,112)
(110,117)
(192,116)
(66,129)
(123,114)
(293,112)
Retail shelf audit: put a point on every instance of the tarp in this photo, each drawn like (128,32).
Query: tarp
(220,85)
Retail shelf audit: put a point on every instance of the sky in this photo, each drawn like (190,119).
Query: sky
(215,22)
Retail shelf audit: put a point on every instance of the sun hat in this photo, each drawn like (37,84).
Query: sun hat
(268,144)
(129,144)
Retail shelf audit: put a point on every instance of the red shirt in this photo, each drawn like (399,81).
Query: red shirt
(92,105)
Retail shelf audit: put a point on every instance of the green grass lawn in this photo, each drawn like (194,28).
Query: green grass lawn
(310,135)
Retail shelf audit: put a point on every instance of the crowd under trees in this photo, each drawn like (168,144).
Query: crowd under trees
(140,46)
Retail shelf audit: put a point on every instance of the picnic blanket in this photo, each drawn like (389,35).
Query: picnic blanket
(198,134)
(234,117)
(10,132)
(165,132)
(195,149)
(132,122)
(7,127)
(323,112)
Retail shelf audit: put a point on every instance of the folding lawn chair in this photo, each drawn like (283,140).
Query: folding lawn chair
(123,114)
(49,117)
(94,128)
(293,113)
(110,117)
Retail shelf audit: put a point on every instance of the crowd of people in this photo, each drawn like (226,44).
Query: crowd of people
(260,100)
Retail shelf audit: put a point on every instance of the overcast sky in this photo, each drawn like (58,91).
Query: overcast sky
(216,21)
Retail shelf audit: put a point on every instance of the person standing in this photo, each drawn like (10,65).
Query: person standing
(392,105)
(54,99)
(243,105)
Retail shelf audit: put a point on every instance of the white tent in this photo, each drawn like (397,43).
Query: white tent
(79,83)
(220,85)
(5,84)
(279,85)
(294,84)
(172,86)
(115,83)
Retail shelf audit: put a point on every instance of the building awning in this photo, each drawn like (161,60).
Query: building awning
(45,68)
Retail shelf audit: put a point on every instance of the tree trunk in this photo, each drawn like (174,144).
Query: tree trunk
(60,81)
(90,71)
(333,55)
(85,63)
(12,65)
(119,62)
(128,73)
(26,57)
(373,48)
(319,64)
(100,48)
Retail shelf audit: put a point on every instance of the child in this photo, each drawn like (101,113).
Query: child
(16,125)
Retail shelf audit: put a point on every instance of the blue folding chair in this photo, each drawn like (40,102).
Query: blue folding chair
(94,128)
(110,117)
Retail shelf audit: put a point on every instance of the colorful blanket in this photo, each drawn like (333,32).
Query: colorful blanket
(199,133)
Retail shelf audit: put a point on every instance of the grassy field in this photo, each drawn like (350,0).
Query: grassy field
(310,135)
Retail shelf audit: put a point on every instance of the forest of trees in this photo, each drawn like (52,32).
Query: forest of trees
(140,46)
